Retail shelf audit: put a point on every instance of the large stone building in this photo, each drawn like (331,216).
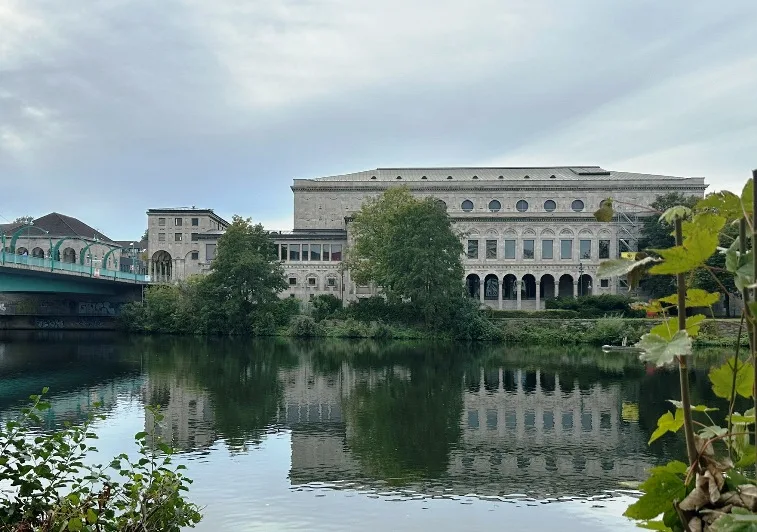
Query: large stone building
(181,242)
(528,233)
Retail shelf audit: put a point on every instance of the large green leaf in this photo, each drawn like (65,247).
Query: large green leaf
(667,423)
(695,297)
(664,485)
(661,351)
(699,243)
(679,211)
(722,379)
(724,203)
(694,408)
(620,267)
(669,327)
(654,525)
(747,198)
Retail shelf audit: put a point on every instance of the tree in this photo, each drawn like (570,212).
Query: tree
(407,247)
(145,235)
(26,220)
(659,235)
(246,276)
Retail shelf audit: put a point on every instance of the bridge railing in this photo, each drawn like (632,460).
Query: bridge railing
(57,265)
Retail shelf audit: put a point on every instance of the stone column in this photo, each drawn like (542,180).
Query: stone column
(538,295)
(481,291)
(500,293)
(575,289)
(518,285)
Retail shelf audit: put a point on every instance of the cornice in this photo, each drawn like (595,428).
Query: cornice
(602,186)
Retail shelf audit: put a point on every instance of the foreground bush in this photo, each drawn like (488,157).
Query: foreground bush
(597,306)
(51,488)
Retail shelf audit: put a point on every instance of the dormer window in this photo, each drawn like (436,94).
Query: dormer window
(526,177)
(501,177)
(475,177)
(373,177)
(424,177)
(553,176)
(449,177)
(399,177)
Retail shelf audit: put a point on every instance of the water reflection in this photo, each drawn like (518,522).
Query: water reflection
(435,419)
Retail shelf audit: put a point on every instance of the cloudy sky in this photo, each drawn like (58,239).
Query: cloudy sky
(111,107)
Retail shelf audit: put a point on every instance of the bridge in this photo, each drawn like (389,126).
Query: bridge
(40,293)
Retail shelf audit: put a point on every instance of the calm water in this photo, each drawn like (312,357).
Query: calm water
(337,435)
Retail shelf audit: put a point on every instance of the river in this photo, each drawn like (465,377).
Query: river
(356,435)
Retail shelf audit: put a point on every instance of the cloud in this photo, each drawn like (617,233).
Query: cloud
(112,107)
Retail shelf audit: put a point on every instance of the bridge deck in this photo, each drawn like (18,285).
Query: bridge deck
(29,263)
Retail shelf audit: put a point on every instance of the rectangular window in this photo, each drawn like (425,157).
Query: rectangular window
(195,222)
(528,249)
(294,252)
(311,281)
(210,252)
(327,252)
(472,249)
(623,247)
(509,249)
(547,249)
(284,252)
(177,222)
(177,237)
(195,237)
(566,249)
(331,281)
(305,252)
(336,252)
(604,283)
(161,222)
(604,249)
(292,281)
(161,237)
(584,247)
(315,252)
(195,255)
(491,249)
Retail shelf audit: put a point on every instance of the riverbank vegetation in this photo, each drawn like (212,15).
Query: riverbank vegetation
(714,488)
(47,484)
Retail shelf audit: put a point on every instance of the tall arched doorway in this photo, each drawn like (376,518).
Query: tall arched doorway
(547,288)
(510,287)
(161,266)
(565,288)
(491,287)
(585,285)
(38,253)
(528,287)
(69,255)
(473,285)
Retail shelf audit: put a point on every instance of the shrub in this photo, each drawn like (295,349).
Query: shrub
(305,327)
(596,306)
(286,309)
(325,306)
(55,490)
(556,314)
(381,331)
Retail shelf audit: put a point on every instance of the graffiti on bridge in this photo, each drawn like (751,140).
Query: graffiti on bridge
(59,307)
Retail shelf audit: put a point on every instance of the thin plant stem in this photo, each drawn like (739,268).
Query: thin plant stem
(754,323)
(683,367)
(732,403)
(745,310)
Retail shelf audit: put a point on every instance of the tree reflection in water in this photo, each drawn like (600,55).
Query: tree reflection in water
(467,418)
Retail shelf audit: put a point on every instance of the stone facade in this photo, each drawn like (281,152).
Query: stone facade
(181,242)
(529,233)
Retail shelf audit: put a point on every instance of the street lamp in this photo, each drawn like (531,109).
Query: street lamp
(580,275)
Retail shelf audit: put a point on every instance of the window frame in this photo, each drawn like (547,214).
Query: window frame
(509,242)
(305,254)
(334,253)
(606,255)
(554,205)
(294,253)
(472,256)
(533,249)
(463,205)
(520,203)
(195,222)
(178,237)
(178,222)
(551,249)
(195,255)
(161,237)
(492,209)
(573,205)
(563,241)
(581,254)
(491,249)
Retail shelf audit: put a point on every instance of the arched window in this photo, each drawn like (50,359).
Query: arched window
(441,204)
(577,205)
(550,205)
(522,206)
(467,205)
(495,205)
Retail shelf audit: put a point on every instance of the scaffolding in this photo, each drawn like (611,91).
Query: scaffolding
(627,231)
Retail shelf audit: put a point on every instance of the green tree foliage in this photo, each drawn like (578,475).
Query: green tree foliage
(52,488)
(656,234)
(407,247)
(238,296)
(325,305)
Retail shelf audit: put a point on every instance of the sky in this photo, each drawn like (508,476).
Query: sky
(111,107)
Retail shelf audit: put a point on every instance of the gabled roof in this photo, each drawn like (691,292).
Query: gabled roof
(57,224)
